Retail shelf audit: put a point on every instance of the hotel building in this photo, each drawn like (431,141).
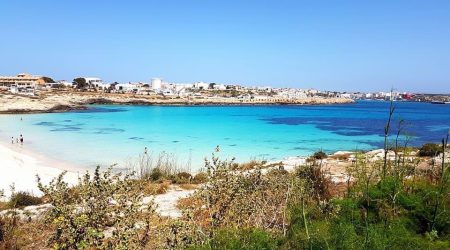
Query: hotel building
(21,83)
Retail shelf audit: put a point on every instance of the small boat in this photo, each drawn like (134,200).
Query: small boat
(439,102)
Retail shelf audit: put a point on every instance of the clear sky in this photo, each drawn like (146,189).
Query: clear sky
(336,44)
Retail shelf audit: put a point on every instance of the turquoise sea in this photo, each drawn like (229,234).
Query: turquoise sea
(108,134)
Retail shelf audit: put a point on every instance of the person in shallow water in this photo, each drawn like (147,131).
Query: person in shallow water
(21,139)
(12,139)
(145,150)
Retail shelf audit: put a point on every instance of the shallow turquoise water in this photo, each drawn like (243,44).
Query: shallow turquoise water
(108,134)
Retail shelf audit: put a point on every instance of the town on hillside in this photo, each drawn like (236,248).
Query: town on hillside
(27,84)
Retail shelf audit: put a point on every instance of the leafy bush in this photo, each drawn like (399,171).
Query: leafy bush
(182,178)
(23,199)
(319,155)
(316,181)
(200,178)
(238,198)
(103,211)
(156,174)
(430,149)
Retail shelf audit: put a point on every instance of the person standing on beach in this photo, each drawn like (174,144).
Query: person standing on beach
(21,139)
(12,139)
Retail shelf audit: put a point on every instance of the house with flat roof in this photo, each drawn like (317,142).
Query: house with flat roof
(21,83)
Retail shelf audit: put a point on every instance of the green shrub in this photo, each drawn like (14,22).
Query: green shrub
(200,178)
(106,212)
(182,178)
(156,174)
(241,240)
(319,155)
(23,199)
(430,149)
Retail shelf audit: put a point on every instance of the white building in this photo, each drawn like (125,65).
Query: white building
(220,87)
(344,95)
(292,94)
(267,89)
(201,85)
(313,92)
(156,83)
(95,82)
(167,92)
(66,83)
(126,87)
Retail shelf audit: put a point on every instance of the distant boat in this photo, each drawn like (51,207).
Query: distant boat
(439,102)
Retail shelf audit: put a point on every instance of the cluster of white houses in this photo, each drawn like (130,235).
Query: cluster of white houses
(29,84)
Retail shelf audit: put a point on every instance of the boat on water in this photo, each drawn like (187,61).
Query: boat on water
(439,102)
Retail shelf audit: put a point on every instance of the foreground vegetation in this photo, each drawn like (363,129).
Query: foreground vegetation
(248,207)
(391,203)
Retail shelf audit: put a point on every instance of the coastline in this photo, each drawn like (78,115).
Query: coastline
(70,101)
(19,167)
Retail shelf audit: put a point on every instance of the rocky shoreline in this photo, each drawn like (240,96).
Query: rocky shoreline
(68,101)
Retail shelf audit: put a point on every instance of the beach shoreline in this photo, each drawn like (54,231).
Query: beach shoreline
(19,166)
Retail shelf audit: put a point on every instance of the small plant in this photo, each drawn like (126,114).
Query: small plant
(182,178)
(319,155)
(156,174)
(8,226)
(23,199)
(430,150)
(200,178)
(161,167)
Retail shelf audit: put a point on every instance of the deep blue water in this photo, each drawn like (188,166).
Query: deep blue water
(107,134)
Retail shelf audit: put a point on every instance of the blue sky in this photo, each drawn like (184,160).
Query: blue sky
(337,45)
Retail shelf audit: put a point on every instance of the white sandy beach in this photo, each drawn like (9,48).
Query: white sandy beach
(19,166)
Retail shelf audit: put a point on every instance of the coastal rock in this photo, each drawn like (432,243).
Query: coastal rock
(71,100)
(342,153)
(27,213)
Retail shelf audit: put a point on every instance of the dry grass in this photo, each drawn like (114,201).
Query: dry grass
(246,166)
(194,204)
(187,202)
(188,186)
(149,188)
(29,235)
(3,205)
(340,157)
